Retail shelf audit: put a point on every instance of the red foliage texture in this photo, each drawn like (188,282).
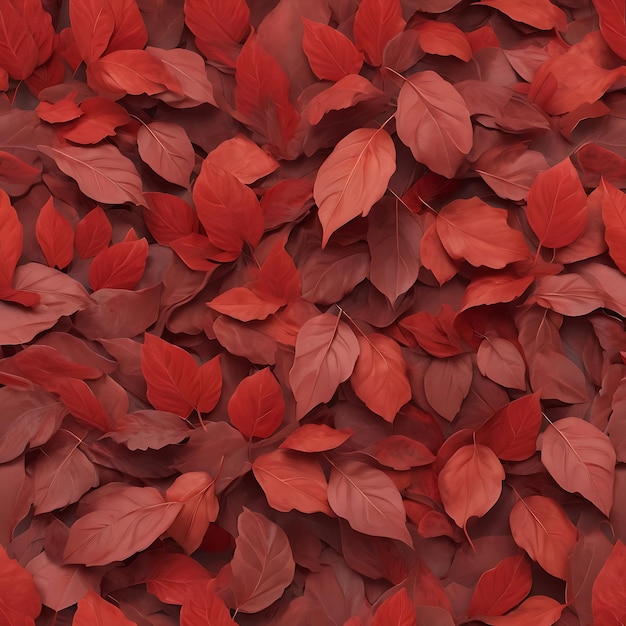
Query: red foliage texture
(312,312)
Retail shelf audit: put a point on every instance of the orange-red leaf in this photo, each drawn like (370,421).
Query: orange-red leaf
(536,610)
(557,206)
(379,376)
(397,610)
(331,54)
(119,267)
(292,480)
(614,218)
(540,526)
(256,407)
(55,235)
(315,438)
(541,14)
(196,492)
(93,610)
(205,607)
(433,121)
(581,458)
(353,178)
(326,351)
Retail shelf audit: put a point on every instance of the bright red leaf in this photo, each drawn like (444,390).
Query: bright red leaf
(119,267)
(93,610)
(55,235)
(375,23)
(19,601)
(93,234)
(608,597)
(398,609)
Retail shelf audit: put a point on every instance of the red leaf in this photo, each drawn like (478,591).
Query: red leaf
(368,499)
(19,53)
(557,206)
(443,38)
(262,96)
(119,267)
(19,600)
(210,384)
(147,429)
(292,481)
(353,178)
(434,122)
(397,610)
(331,54)
(93,610)
(123,522)
(55,235)
(499,360)
(278,277)
(243,158)
(376,22)
(540,526)
(436,335)
(83,404)
(501,588)
(541,14)
(326,351)
(168,217)
(475,232)
(244,305)
(93,234)
(102,172)
(99,119)
(379,376)
(262,566)
(447,383)
(218,28)
(130,30)
(228,210)
(256,407)
(401,453)
(196,492)
(511,432)
(537,610)
(206,607)
(10,241)
(581,459)
(470,483)
(608,598)
(612,25)
(14,170)
(166,148)
(134,72)
(614,218)
(93,24)
(315,438)
(171,376)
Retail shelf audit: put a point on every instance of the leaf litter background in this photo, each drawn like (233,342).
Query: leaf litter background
(312,312)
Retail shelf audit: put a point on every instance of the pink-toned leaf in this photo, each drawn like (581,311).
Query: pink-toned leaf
(55,235)
(581,459)
(147,429)
(326,352)
(126,521)
(368,499)
(540,526)
(434,122)
(447,383)
(291,480)
(499,360)
(353,178)
(256,407)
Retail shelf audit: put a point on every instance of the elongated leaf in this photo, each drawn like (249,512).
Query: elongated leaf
(434,122)
(557,206)
(581,458)
(540,526)
(196,492)
(19,601)
(171,376)
(379,376)
(292,481)
(502,587)
(55,235)
(353,178)
(19,54)
(166,148)
(262,566)
(376,22)
(245,305)
(537,610)
(93,610)
(331,55)
(368,500)
(472,231)
(125,522)
(470,483)
(326,351)
(541,14)
(315,438)
(102,172)
(257,406)
(10,241)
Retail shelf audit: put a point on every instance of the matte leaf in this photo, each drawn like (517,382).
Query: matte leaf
(93,24)
(540,610)
(376,22)
(434,122)
(397,609)
(19,601)
(581,459)
(540,526)
(541,14)
(93,610)
(315,438)
(500,361)
(353,178)
(368,500)
(93,234)
(614,218)
(608,598)
(119,267)
(125,522)
(18,50)
(55,235)
(326,352)
(205,607)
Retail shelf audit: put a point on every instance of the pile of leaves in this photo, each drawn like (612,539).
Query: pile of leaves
(312,312)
